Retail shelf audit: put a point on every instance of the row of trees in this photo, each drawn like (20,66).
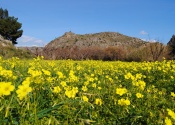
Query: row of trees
(149,52)
(84,53)
(10,28)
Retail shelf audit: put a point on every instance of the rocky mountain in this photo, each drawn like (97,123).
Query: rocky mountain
(102,40)
(101,46)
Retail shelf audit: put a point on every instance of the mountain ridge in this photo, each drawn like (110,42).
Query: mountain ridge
(101,39)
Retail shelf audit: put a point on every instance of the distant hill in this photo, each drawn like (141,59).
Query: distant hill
(37,51)
(102,46)
(103,40)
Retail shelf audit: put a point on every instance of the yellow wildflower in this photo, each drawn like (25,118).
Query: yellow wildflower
(91,79)
(168,121)
(94,85)
(72,77)
(123,102)
(141,84)
(26,81)
(75,89)
(98,101)
(85,98)
(86,83)
(139,95)
(148,90)
(171,113)
(92,75)
(107,76)
(129,76)
(172,77)
(99,88)
(172,94)
(63,83)
(6,88)
(84,88)
(71,93)
(6,73)
(138,76)
(46,72)
(121,91)
(56,89)
(60,75)
(23,90)
(34,73)
(50,79)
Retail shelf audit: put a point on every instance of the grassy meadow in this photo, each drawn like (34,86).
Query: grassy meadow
(67,92)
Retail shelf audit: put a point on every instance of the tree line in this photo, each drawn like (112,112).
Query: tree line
(149,52)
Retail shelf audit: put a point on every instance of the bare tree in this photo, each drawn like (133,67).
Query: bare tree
(156,50)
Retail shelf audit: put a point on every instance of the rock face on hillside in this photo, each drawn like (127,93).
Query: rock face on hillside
(172,41)
(102,40)
(171,45)
(4,42)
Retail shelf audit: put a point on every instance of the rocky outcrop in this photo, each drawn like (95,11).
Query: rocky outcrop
(4,42)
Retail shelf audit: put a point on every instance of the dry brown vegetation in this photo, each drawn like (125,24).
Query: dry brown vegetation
(150,52)
(90,53)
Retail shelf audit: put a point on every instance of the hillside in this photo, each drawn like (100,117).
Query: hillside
(103,40)
(100,46)
(7,50)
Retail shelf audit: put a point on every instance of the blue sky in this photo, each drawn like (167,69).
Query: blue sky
(44,20)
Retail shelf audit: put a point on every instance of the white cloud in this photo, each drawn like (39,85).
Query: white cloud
(25,40)
(144,39)
(34,45)
(143,32)
(38,41)
(152,40)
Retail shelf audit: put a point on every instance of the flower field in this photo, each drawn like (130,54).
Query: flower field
(66,92)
